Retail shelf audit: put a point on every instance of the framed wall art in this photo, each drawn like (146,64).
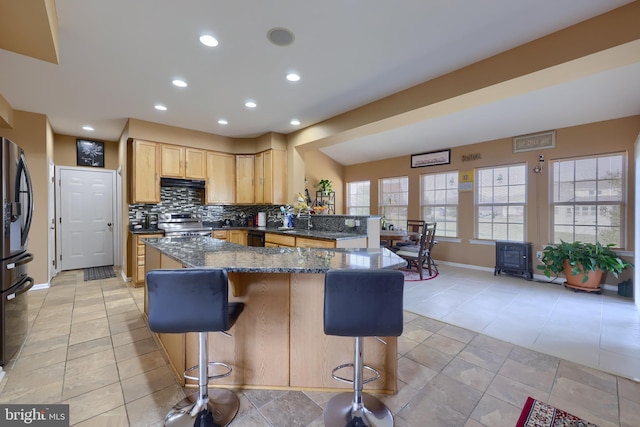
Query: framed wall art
(431,158)
(90,153)
(534,141)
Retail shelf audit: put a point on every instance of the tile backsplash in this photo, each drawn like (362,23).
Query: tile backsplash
(184,199)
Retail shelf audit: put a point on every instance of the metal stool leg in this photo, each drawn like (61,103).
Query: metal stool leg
(357,409)
(206,408)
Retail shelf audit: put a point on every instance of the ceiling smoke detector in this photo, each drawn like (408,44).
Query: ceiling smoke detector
(280,36)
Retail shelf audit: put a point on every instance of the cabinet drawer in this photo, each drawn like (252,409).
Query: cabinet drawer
(280,239)
(303,242)
(141,249)
(220,234)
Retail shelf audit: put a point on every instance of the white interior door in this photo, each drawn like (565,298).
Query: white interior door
(51,217)
(86,217)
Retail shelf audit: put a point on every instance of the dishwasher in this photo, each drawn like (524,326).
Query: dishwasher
(255,238)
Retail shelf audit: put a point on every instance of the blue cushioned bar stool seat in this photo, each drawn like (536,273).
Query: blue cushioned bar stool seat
(195,300)
(361,303)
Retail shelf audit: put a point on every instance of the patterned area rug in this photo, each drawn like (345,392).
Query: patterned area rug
(414,276)
(97,273)
(539,414)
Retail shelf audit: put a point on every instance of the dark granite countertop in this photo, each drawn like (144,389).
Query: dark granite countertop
(210,252)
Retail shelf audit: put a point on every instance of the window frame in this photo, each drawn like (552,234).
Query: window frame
(586,205)
(442,229)
(358,207)
(508,205)
(384,207)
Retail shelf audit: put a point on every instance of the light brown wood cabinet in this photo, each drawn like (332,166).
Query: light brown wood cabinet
(221,178)
(143,161)
(305,242)
(220,234)
(182,162)
(270,177)
(138,255)
(245,166)
(238,236)
(273,240)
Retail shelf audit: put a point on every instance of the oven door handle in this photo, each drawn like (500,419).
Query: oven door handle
(24,285)
(27,257)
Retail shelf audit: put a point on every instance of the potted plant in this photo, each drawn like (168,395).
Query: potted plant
(582,263)
(325,186)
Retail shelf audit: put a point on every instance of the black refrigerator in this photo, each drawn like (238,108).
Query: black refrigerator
(17,212)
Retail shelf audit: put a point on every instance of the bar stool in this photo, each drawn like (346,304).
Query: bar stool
(195,300)
(361,303)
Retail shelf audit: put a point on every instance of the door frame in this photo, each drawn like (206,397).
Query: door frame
(115,214)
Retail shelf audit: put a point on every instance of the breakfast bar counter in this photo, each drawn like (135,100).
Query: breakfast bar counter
(279,340)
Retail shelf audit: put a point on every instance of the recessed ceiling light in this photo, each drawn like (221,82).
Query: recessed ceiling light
(293,77)
(250,104)
(87,127)
(208,40)
(280,36)
(223,122)
(160,107)
(295,122)
(179,83)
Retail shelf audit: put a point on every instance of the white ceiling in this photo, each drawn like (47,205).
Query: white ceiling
(118,57)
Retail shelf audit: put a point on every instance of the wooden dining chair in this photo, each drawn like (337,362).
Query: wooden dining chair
(413,226)
(416,255)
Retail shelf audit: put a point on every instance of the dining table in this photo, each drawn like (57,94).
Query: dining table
(391,236)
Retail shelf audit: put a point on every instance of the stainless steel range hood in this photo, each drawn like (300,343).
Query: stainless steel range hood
(179,182)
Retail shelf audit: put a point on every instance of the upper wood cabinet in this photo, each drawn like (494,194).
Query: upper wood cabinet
(270,177)
(221,178)
(245,165)
(144,159)
(182,162)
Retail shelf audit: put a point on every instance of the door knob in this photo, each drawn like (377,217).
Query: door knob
(108,224)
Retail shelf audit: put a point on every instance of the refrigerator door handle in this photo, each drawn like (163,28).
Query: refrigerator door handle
(27,257)
(22,168)
(23,286)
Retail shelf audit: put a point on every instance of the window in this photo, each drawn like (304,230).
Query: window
(439,201)
(394,201)
(500,203)
(588,199)
(358,198)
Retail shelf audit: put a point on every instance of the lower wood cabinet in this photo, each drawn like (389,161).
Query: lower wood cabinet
(138,255)
(272,240)
(238,236)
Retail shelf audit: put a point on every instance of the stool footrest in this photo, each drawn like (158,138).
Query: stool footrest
(350,381)
(210,377)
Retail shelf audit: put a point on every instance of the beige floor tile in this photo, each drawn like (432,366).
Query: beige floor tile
(95,377)
(25,364)
(495,413)
(146,383)
(429,357)
(405,345)
(445,391)
(629,389)
(152,408)
(444,344)
(469,374)
(588,376)
(514,392)
(39,345)
(20,385)
(395,402)
(93,403)
(131,336)
(629,413)
(291,409)
(457,333)
(584,401)
(49,392)
(135,349)
(89,347)
(423,408)
(482,358)
(138,365)
(253,419)
(415,333)
(114,418)
(533,376)
(414,374)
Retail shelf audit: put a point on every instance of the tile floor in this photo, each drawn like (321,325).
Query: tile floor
(89,346)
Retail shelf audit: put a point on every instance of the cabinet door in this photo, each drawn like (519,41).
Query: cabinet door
(259,188)
(276,177)
(245,164)
(172,162)
(238,236)
(221,178)
(195,163)
(145,180)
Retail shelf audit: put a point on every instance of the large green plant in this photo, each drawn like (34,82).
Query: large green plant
(589,256)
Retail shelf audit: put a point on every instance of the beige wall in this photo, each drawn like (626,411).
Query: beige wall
(594,138)
(30,132)
(65,153)
(319,166)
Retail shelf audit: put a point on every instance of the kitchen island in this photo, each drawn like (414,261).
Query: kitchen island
(279,341)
